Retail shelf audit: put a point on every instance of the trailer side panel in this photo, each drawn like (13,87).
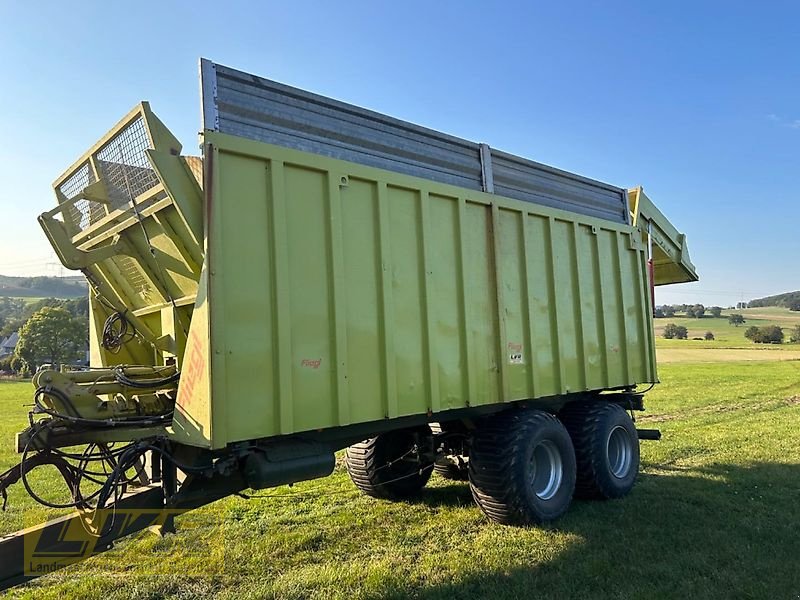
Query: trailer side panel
(341,293)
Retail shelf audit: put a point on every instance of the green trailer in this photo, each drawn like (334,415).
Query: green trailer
(325,277)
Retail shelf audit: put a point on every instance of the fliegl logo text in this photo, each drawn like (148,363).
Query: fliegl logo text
(72,539)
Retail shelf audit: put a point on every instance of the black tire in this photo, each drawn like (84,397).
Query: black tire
(452,471)
(606,448)
(451,467)
(390,465)
(522,467)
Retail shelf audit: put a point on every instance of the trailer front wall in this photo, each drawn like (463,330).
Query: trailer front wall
(340,293)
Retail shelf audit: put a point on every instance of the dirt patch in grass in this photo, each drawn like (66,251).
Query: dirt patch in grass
(709,355)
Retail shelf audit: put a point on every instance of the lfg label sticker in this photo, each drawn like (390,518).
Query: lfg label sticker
(515,354)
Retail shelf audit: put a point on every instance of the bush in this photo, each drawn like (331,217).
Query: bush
(795,335)
(20,366)
(672,331)
(770,334)
(709,336)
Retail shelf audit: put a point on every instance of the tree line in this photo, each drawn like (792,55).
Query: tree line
(790,300)
(693,311)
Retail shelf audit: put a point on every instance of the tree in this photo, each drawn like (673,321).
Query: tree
(658,313)
(699,310)
(795,335)
(716,311)
(51,335)
(794,305)
(770,334)
(11,325)
(690,312)
(668,311)
(672,331)
(77,307)
(736,319)
(709,336)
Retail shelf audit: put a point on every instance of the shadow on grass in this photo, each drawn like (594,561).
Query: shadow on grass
(722,531)
(453,494)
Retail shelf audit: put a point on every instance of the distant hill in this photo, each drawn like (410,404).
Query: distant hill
(787,300)
(43,287)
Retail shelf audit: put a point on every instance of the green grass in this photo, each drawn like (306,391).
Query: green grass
(28,299)
(715,514)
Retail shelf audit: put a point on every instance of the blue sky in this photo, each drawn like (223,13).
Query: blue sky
(699,102)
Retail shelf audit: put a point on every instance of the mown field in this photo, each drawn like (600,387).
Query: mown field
(715,514)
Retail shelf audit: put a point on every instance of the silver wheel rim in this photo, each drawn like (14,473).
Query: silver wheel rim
(547,470)
(619,452)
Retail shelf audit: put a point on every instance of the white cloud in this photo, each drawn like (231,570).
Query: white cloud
(790,123)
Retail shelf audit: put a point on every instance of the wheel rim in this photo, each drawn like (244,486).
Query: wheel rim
(619,452)
(547,470)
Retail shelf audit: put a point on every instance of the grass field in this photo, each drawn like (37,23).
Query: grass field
(715,514)
(727,337)
(725,334)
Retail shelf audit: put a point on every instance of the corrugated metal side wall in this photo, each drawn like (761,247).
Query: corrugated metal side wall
(341,293)
(259,109)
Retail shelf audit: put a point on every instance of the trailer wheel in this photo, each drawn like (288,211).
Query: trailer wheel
(392,465)
(606,448)
(522,468)
(452,471)
(454,465)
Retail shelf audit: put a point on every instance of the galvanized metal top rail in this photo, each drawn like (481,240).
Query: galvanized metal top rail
(249,106)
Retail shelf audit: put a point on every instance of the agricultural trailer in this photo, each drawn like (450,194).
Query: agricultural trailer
(322,278)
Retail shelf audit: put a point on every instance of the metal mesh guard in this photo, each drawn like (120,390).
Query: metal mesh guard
(123,167)
(82,212)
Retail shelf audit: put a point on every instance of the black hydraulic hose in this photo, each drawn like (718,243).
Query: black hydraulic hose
(145,384)
(117,330)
